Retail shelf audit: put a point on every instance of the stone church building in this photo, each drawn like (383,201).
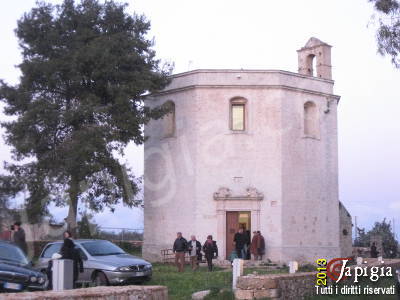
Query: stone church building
(256,149)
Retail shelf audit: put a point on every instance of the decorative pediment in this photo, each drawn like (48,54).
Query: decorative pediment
(225,193)
(254,193)
(314,42)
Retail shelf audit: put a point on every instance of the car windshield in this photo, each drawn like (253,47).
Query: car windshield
(102,248)
(11,253)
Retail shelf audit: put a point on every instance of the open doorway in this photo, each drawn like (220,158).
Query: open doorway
(234,221)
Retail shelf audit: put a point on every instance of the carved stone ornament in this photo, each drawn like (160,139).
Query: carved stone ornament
(251,193)
(223,192)
(254,193)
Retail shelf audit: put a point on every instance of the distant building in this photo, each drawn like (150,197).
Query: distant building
(248,148)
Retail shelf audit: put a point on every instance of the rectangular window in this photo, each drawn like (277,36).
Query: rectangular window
(237,116)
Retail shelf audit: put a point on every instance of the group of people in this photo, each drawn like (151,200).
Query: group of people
(194,248)
(244,249)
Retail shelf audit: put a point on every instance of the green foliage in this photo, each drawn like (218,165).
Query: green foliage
(307,268)
(130,248)
(181,286)
(263,270)
(121,235)
(384,230)
(85,70)
(388,32)
(87,228)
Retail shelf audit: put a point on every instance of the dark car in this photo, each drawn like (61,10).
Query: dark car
(16,272)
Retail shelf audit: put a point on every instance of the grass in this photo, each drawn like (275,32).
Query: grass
(181,286)
(261,271)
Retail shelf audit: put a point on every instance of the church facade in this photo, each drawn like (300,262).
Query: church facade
(255,149)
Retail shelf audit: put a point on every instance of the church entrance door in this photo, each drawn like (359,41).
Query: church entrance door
(234,221)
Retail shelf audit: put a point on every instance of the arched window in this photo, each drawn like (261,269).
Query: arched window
(311,120)
(169,119)
(238,114)
(311,65)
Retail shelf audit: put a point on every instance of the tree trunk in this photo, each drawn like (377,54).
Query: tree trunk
(73,206)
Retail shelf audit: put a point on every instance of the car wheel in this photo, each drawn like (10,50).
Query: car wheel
(100,279)
(147,278)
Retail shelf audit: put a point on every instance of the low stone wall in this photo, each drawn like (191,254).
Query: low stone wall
(132,292)
(276,286)
(288,286)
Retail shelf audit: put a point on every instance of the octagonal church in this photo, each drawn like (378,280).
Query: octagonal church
(255,149)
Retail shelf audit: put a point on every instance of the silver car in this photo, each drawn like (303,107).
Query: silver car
(103,263)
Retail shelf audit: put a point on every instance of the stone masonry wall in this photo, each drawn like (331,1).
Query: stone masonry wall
(97,293)
(345,232)
(287,286)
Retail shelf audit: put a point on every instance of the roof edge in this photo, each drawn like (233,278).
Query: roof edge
(186,73)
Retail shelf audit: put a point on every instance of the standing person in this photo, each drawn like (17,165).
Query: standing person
(260,245)
(67,235)
(210,248)
(68,251)
(194,248)
(19,237)
(247,245)
(240,240)
(253,246)
(180,248)
(374,252)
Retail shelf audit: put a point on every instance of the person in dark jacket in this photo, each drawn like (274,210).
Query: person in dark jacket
(247,245)
(240,240)
(194,249)
(67,234)
(180,248)
(374,252)
(67,251)
(19,237)
(254,244)
(210,248)
(260,246)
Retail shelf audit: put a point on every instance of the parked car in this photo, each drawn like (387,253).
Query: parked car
(16,272)
(104,263)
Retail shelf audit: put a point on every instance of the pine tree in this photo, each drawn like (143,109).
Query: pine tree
(85,70)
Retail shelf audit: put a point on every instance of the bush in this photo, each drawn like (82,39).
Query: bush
(129,247)
(307,268)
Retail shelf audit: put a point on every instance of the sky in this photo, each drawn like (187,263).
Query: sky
(265,34)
